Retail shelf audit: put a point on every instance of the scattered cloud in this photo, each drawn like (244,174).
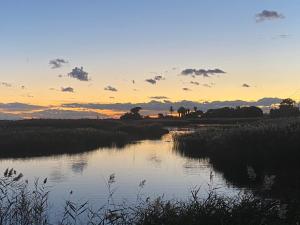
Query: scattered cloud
(268,15)
(79,74)
(5,84)
(202,72)
(64,114)
(207,85)
(9,116)
(158,97)
(158,78)
(195,83)
(19,107)
(186,89)
(246,85)
(110,88)
(155,79)
(57,63)
(281,36)
(67,89)
(151,81)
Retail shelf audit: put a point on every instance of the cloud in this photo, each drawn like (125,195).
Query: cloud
(67,89)
(153,107)
(79,74)
(110,88)
(186,89)
(16,106)
(268,15)
(281,36)
(202,72)
(151,81)
(64,114)
(246,85)
(195,83)
(9,116)
(5,84)
(155,79)
(57,63)
(158,97)
(158,78)
(207,85)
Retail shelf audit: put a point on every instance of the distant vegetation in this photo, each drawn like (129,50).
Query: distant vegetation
(132,115)
(287,108)
(238,112)
(46,137)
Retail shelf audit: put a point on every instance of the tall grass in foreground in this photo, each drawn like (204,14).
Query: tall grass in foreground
(21,205)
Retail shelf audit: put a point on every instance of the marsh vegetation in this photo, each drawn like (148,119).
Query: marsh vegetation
(28,138)
(21,203)
(262,150)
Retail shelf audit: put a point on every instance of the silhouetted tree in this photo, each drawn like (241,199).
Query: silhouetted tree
(171,110)
(135,110)
(286,108)
(181,111)
(132,115)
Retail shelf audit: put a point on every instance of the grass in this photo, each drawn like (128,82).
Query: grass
(47,137)
(266,148)
(20,205)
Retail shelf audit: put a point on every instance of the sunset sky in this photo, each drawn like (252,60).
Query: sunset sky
(233,49)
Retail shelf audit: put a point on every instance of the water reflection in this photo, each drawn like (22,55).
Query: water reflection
(153,158)
(79,164)
(57,176)
(155,161)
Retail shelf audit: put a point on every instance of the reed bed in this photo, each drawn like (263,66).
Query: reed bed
(269,148)
(41,138)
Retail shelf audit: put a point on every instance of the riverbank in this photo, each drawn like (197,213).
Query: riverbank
(29,138)
(249,154)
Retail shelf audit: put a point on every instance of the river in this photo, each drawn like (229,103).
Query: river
(165,173)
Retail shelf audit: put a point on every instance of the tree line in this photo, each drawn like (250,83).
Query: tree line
(286,108)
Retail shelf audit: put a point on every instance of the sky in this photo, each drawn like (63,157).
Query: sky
(75,51)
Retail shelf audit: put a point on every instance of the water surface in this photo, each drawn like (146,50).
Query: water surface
(165,171)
